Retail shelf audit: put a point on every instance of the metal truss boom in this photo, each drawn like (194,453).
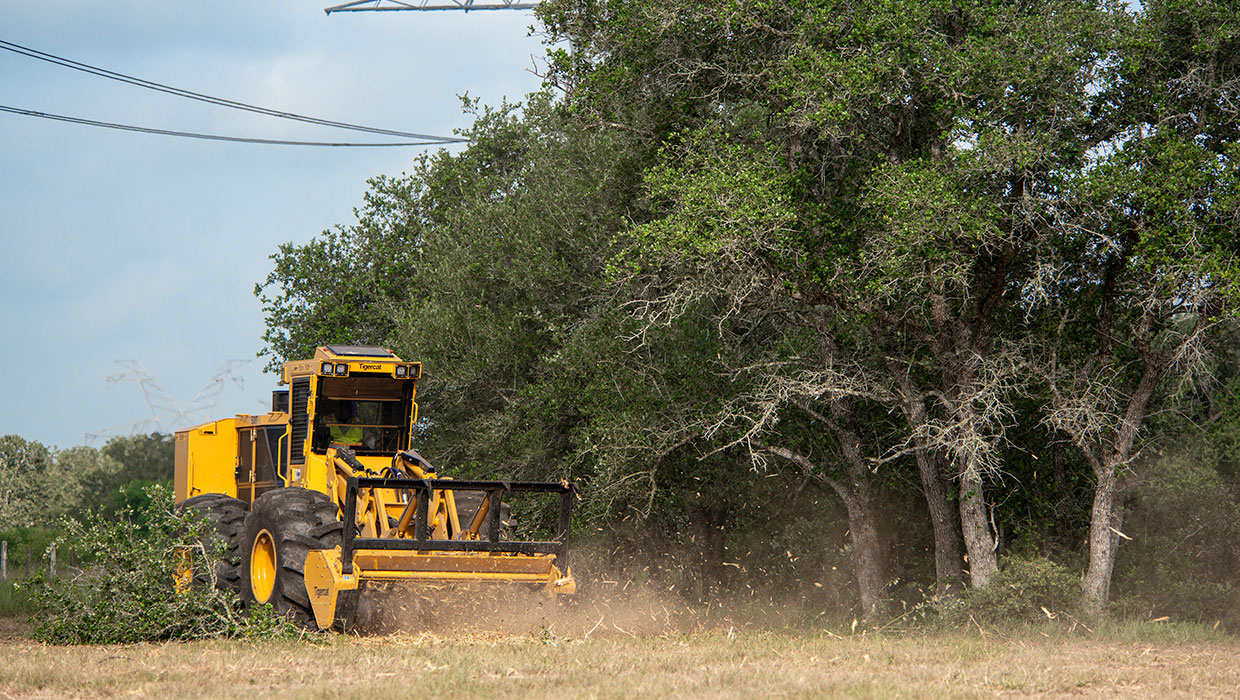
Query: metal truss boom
(429,5)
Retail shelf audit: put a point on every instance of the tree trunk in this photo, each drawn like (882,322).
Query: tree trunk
(944,519)
(945,525)
(1107,515)
(867,553)
(1104,529)
(961,351)
(863,532)
(975,525)
(868,560)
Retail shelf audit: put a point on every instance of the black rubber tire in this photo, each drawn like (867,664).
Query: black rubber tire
(468,502)
(298,521)
(227,518)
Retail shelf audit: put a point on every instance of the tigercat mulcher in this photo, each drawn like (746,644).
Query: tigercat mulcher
(323,495)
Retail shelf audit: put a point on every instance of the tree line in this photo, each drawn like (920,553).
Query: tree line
(965,269)
(40,485)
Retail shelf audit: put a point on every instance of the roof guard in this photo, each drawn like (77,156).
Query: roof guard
(358,351)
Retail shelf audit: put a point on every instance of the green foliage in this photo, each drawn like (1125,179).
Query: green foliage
(948,225)
(717,191)
(935,224)
(24,455)
(148,457)
(23,465)
(38,485)
(28,544)
(121,471)
(37,538)
(1023,591)
(510,272)
(133,497)
(127,591)
(78,478)
(323,292)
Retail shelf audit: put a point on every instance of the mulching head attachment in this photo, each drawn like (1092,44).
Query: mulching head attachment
(408,530)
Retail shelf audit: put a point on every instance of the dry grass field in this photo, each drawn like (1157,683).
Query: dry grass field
(1148,661)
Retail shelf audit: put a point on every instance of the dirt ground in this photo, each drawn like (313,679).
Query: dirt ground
(606,662)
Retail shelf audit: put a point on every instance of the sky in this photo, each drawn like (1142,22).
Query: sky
(117,246)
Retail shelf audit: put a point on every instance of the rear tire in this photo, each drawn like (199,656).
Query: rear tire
(226,516)
(283,526)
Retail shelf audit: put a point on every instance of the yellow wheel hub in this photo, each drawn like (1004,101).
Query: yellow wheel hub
(263,567)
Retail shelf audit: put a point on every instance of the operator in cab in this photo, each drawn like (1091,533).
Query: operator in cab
(345,430)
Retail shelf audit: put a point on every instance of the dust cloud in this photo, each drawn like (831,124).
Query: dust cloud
(515,610)
(609,603)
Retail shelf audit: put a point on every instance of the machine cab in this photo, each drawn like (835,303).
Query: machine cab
(358,396)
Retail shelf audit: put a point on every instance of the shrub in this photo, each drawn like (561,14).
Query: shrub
(1024,590)
(132,589)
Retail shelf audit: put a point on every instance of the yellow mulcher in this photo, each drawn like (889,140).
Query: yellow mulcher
(323,495)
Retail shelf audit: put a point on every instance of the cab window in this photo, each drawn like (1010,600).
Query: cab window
(369,414)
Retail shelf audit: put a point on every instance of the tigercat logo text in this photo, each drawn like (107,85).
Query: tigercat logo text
(366,365)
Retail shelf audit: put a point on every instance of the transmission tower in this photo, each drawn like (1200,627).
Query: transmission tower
(430,5)
(166,416)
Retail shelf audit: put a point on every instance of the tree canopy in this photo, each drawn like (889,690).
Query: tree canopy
(39,485)
(900,252)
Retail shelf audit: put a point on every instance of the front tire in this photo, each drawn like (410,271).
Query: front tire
(283,526)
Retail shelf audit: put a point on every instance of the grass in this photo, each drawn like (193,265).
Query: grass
(1137,661)
(641,646)
(13,603)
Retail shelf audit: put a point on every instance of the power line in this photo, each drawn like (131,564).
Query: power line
(425,5)
(232,104)
(215,137)
(167,414)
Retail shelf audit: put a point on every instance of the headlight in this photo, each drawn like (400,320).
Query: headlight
(401,370)
(326,368)
(342,369)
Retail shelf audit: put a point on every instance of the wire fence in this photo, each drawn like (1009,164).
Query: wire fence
(23,561)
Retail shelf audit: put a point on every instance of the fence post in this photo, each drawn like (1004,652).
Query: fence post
(4,560)
(51,562)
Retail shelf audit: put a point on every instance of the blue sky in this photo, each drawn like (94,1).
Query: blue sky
(121,246)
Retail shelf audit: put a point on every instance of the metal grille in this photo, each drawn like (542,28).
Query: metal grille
(298,420)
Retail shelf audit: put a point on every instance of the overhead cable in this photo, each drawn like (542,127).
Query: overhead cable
(232,104)
(216,137)
(466,5)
